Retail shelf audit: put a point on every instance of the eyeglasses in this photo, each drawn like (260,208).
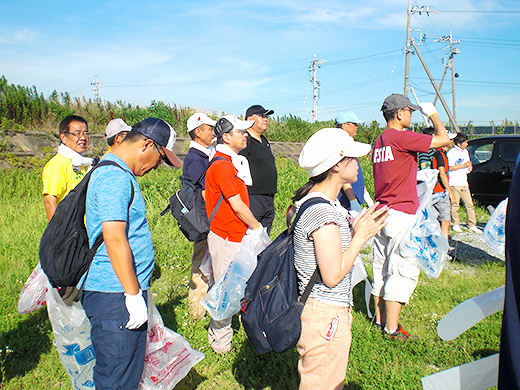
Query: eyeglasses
(408,109)
(79,134)
(239,131)
(163,156)
(262,115)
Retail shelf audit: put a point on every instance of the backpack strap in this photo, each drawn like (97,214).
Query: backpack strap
(204,173)
(221,196)
(99,239)
(314,278)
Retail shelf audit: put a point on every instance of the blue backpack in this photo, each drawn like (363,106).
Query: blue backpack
(271,308)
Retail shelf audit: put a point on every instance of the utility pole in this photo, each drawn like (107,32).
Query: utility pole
(435,87)
(96,84)
(313,70)
(411,11)
(450,63)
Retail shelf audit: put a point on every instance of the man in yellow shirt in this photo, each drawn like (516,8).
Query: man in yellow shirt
(65,170)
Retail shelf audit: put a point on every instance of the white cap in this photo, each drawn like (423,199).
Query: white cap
(198,119)
(239,124)
(230,122)
(327,147)
(116,126)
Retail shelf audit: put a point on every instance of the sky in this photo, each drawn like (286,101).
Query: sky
(222,57)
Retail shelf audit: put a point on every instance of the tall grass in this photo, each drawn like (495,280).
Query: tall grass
(374,363)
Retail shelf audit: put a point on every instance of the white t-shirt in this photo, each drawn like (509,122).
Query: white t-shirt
(457,156)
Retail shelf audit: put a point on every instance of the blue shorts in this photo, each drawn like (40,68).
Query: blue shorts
(120,352)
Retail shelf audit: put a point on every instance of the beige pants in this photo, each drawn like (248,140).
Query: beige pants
(463,193)
(198,283)
(222,252)
(324,345)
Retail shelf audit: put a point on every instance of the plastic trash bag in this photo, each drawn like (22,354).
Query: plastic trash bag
(424,244)
(169,357)
(34,291)
(223,299)
(495,231)
(207,269)
(359,274)
(71,329)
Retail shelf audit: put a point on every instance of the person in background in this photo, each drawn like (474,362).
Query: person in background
(442,194)
(115,133)
(228,178)
(262,165)
(425,159)
(196,162)
(326,237)
(353,195)
(66,169)
(115,287)
(460,166)
(394,159)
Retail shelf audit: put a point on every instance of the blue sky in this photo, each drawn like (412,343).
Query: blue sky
(225,56)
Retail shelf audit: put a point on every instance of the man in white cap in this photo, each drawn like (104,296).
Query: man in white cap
(115,133)
(354,194)
(114,295)
(263,167)
(196,162)
(394,159)
(228,178)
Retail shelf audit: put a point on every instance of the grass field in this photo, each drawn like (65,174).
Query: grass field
(28,359)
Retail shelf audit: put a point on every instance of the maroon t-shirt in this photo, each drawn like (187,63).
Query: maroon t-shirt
(394,159)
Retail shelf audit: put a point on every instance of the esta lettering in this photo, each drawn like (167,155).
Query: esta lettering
(383,154)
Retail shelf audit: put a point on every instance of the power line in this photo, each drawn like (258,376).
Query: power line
(479,12)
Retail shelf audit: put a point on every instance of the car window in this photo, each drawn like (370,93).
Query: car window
(509,150)
(480,153)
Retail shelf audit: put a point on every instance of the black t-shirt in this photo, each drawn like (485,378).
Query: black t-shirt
(262,166)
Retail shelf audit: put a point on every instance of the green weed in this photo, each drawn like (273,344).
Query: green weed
(374,363)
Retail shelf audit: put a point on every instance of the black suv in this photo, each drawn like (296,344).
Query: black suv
(493,160)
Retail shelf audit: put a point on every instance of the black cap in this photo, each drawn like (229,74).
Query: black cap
(259,110)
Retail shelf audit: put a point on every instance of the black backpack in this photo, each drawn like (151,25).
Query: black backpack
(271,308)
(189,209)
(65,253)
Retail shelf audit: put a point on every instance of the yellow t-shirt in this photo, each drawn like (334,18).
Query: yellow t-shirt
(59,178)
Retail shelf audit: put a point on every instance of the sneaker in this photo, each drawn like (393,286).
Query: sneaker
(475,229)
(399,334)
(456,228)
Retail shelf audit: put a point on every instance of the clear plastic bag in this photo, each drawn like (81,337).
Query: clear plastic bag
(495,231)
(34,291)
(424,244)
(206,268)
(223,299)
(71,329)
(169,356)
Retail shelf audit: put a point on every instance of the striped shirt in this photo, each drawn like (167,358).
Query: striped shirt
(305,261)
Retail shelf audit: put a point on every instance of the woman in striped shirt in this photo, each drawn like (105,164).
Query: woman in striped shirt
(325,237)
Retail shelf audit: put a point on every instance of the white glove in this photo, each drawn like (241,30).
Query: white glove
(136,306)
(428,109)
(368,199)
(255,233)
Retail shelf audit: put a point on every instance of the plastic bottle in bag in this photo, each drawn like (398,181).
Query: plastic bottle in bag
(223,299)
(495,231)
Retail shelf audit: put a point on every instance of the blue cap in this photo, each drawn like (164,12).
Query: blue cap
(161,133)
(347,116)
